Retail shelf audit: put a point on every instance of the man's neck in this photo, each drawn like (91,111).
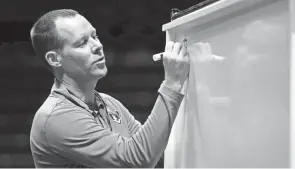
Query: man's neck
(83,89)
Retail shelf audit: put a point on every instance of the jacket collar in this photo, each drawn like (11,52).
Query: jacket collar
(65,90)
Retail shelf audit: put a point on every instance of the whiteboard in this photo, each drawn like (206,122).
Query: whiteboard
(237,106)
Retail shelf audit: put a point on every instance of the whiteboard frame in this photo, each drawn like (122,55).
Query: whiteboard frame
(212,11)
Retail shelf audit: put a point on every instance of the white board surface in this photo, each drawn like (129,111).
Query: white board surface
(236,110)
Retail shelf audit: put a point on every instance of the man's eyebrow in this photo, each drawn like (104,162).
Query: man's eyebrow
(79,40)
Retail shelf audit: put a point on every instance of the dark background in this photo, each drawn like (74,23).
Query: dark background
(131,32)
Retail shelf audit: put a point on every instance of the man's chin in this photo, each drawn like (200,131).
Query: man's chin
(101,74)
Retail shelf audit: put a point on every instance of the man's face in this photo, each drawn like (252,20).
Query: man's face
(82,54)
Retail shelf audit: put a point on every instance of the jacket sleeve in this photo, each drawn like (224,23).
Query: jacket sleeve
(133,124)
(75,134)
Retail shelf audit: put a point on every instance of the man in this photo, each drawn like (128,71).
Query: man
(79,127)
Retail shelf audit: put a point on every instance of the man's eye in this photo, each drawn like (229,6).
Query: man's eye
(83,43)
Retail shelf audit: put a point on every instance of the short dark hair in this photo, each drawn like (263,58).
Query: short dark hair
(44,35)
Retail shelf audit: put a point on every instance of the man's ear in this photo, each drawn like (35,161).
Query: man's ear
(53,58)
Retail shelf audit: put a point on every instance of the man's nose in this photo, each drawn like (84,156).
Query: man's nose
(97,47)
(97,50)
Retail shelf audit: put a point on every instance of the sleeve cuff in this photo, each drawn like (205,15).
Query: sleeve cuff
(170,92)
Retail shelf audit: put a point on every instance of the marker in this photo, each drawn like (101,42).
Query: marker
(158,56)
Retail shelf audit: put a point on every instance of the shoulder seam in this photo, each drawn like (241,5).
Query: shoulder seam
(46,121)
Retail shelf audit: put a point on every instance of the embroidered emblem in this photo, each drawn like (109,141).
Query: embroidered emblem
(116,116)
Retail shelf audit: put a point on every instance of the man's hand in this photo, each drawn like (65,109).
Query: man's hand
(176,65)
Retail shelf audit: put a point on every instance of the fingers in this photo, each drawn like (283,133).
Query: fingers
(177,47)
(175,50)
(173,47)
(169,46)
(183,52)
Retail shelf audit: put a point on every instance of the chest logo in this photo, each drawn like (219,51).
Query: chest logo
(116,117)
